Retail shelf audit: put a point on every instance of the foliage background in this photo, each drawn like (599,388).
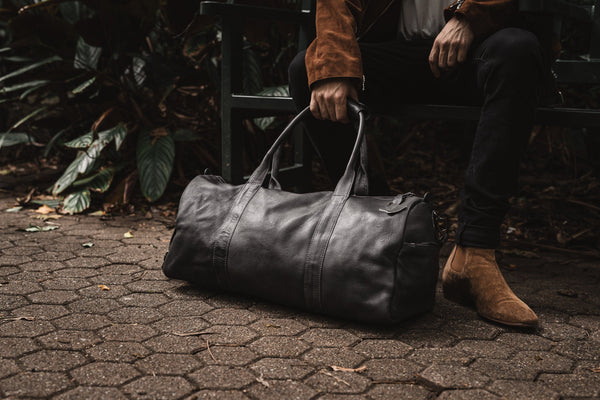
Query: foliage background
(114,103)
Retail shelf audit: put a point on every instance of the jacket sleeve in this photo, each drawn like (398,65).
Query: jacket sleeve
(484,16)
(335,53)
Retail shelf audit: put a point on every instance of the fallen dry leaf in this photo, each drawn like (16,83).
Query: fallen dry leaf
(103,287)
(595,370)
(14,209)
(97,213)
(359,369)
(44,210)
(46,217)
(87,245)
(334,377)
(262,381)
(128,235)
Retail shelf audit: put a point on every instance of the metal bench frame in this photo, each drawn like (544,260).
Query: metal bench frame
(235,106)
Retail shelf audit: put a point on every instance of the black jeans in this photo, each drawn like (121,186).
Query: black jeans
(505,74)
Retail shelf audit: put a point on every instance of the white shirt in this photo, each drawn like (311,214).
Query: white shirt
(421,19)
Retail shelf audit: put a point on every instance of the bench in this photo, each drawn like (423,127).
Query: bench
(235,106)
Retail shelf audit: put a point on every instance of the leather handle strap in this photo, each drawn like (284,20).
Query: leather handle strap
(356,111)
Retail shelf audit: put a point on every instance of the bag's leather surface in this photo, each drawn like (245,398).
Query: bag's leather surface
(372,259)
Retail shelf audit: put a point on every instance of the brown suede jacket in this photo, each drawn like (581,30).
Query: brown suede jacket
(340,24)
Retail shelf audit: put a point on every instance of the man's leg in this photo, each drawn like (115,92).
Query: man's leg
(508,67)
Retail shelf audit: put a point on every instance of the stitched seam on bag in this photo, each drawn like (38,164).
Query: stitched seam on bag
(396,269)
(333,223)
(308,270)
(227,240)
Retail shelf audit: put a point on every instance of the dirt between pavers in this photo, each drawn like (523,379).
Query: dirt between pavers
(87,313)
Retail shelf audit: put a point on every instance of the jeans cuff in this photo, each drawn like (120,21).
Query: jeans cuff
(477,236)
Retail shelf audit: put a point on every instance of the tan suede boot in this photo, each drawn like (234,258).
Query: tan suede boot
(472,277)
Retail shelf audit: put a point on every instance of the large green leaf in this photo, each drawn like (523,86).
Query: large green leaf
(69,176)
(30,67)
(99,182)
(155,163)
(116,133)
(86,56)
(81,142)
(76,202)
(274,91)
(12,139)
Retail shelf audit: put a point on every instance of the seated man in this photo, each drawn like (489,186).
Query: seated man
(386,51)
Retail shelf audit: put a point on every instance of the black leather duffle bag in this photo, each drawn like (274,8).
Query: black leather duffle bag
(341,253)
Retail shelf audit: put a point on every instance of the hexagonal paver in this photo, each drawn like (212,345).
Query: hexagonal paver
(524,341)
(225,316)
(557,332)
(150,286)
(136,315)
(441,356)
(590,322)
(281,390)
(127,332)
(92,393)
(382,348)
(579,350)
(175,344)
(328,356)
(87,262)
(143,299)
(329,337)
(7,368)
(473,394)
(9,302)
(35,384)
(53,256)
(181,325)
(79,321)
(158,388)
(168,364)
(65,283)
(41,311)
(279,346)
(53,360)
(484,348)
(403,391)
(338,382)
(391,370)
(69,340)
(118,352)
(226,355)
(426,338)
(222,377)
(281,368)
(94,306)
(278,327)
(218,395)
(234,334)
(24,328)
(571,384)
(189,308)
(75,272)
(19,287)
(104,374)
(14,260)
(52,297)
(452,376)
(43,266)
(14,347)
(516,390)
(104,290)
(130,255)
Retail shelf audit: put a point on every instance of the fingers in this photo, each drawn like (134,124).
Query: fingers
(434,59)
(329,100)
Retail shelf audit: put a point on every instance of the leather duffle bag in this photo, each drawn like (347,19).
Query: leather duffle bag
(341,253)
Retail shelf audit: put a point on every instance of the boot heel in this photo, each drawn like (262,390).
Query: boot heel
(458,290)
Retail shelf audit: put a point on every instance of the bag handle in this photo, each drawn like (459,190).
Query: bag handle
(352,178)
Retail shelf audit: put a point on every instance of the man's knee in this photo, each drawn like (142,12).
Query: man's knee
(514,46)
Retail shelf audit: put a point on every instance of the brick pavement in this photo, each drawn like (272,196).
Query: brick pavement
(104,323)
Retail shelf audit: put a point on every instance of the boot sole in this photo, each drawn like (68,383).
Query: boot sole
(516,324)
